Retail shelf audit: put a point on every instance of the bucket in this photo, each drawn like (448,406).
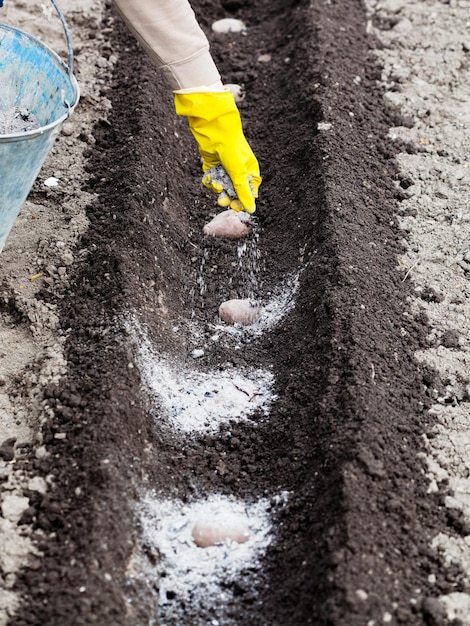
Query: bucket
(34,78)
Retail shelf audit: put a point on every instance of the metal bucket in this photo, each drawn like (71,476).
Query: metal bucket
(34,78)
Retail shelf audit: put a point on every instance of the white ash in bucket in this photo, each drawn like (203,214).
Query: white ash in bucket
(16,120)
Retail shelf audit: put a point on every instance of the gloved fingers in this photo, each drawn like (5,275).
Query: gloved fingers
(207,180)
(243,170)
(240,194)
(217,180)
(255,182)
(212,183)
(244,202)
(224,200)
(215,123)
(249,205)
(246,190)
(237,206)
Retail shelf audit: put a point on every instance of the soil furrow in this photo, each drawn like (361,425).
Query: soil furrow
(343,434)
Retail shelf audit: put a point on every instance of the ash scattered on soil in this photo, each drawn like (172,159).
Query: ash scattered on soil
(204,577)
(344,435)
(188,399)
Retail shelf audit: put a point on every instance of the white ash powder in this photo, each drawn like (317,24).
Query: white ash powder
(273,309)
(186,572)
(199,401)
(16,120)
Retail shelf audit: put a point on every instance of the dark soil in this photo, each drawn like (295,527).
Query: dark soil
(343,436)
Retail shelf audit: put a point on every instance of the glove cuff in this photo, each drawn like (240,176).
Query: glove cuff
(204,104)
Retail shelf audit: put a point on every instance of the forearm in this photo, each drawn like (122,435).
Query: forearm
(169,32)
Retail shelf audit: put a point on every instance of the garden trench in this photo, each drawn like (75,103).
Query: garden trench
(351,537)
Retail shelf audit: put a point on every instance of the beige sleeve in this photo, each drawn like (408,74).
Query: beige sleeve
(169,32)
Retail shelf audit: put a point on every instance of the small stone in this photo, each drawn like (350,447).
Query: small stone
(37,484)
(5,472)
(264,58)
(429,294)
(41,452)
(67,258)
(197,353)
(14,506)
(450,339)
(433,610)
(7,450)
(228,25)
(237,91)
(67,130)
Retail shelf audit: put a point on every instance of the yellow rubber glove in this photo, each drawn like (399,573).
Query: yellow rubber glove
(219,182)
(215,123)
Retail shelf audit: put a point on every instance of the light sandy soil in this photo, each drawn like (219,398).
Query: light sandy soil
(425,55)
(42,240)
(426,60)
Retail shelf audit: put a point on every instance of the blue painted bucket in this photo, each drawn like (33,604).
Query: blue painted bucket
(34,78)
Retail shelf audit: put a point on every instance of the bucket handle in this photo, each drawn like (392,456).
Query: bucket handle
(69,68)
(67,36)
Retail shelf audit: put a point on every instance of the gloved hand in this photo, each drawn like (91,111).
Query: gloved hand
(215,123)
(219,182)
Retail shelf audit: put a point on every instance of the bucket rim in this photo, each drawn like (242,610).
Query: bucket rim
(73,81)
(30,134)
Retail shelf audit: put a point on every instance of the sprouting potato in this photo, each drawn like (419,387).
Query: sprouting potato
(228,225)
(239,311)
(206,535)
